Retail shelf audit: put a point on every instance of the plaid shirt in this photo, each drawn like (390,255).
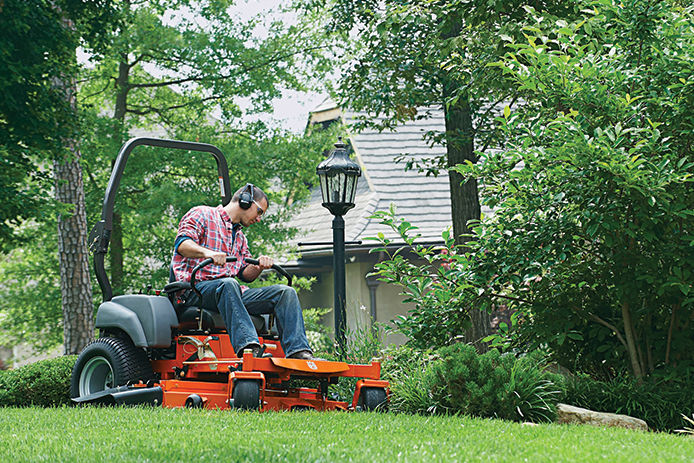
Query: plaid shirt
(211,228)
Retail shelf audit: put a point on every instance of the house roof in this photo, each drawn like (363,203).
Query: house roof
(424,201)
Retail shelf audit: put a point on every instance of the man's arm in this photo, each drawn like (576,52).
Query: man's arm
(190,248)
(251,272)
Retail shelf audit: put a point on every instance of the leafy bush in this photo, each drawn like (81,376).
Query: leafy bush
(316,332)
(660,404)
(45,383)
(455,379)
(593,189)
(590,241)
(362,345)
(431,282)
(493,385)
(406,370)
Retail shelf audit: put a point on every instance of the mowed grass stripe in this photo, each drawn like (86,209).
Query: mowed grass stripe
(144,434)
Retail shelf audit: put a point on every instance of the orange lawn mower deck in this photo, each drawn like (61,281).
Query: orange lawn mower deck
(213,380)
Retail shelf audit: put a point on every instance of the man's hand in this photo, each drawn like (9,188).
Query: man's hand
(265,262)
(219,258)
(251,272)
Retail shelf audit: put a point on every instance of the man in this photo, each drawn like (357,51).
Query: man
(215,233)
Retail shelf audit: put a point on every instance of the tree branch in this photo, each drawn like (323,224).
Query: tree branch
(502,296)
(486,113)
(611,327)
(151,109)
(108,84)
(168,83)
(140,58)
(242,70)
(91,177)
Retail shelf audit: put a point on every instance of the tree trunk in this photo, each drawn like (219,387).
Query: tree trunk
(465,205)
(73,251)
(75,286)
(630,336)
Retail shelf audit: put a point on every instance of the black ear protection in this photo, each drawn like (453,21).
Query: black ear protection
(246,197)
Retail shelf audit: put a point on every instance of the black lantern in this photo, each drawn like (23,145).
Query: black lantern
(338,183)
(338,180)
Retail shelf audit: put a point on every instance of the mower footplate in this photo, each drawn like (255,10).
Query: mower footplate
(310,366)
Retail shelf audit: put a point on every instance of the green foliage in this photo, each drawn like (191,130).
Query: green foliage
(406,370)
(34,112)
(407,56)
(658,403)
(492,385)
(362,345)
(428,281)
(317,333)
(590,242)
(204,65)
(45,383)
(38,40)
(592,193)
(31,306)
(457,380)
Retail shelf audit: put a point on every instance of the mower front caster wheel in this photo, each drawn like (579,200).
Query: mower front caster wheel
(246,394)
(194,401)
(373,399)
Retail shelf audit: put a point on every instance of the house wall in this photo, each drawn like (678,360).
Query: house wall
(358,300)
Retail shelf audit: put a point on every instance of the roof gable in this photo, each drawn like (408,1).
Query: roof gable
(424,201)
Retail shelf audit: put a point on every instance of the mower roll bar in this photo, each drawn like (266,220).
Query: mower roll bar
(101,233)
(206,262)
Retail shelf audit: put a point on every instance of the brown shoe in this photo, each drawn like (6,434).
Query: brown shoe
(302,355)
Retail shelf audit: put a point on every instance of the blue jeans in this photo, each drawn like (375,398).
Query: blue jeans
(224,296)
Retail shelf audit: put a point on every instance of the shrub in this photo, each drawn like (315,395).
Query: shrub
(362,345)
(45,383)
(406,370)
(590,240)
(592,191)
(659,403)
(316,332)
(493,385)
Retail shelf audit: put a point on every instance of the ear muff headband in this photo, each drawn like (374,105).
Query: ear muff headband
(246,197)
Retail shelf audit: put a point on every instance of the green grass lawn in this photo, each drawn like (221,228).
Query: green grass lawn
(143,434)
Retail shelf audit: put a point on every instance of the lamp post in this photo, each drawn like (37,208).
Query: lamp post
(338,176)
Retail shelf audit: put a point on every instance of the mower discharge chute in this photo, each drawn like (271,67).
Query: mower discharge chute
(153,350)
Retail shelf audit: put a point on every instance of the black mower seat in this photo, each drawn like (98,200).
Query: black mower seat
(211,321)
(214,321)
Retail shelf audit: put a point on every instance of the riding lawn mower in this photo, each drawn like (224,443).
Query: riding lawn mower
(154,350)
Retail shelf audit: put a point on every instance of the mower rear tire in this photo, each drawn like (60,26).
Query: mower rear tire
(373,399)
(108,362)
(246,394)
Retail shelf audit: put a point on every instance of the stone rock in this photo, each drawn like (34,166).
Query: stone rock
(577,415)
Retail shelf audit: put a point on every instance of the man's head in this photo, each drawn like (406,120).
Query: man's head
(248,205)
